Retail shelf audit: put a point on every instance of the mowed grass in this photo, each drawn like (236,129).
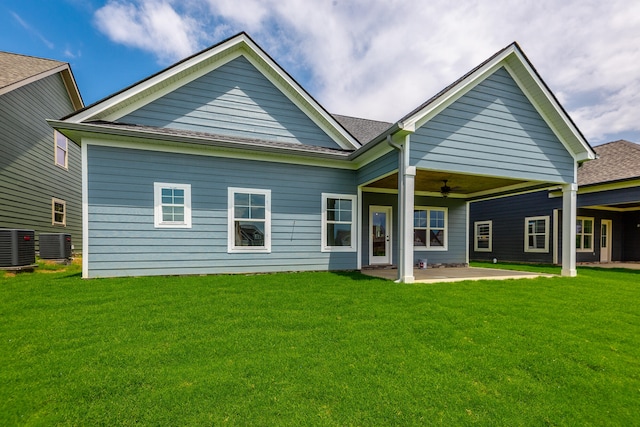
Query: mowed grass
(319,349)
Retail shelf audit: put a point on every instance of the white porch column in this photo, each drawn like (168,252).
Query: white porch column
(409,177)
(569,204)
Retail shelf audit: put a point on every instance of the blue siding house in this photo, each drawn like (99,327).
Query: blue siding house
(223,163)
(528,227)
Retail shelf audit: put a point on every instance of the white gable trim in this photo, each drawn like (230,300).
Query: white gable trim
(536,91)
(197,66)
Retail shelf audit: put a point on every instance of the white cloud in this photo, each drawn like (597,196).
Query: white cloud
(151,25)
(379,60)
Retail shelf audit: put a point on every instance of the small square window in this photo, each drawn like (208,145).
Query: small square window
(58,212)
(172,205)
(61,149)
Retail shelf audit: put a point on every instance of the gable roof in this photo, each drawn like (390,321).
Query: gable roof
(617,161)
(526,77)
(189,69)
(19,70)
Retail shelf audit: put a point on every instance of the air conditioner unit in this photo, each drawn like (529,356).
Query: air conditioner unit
(55,246)
(17,247)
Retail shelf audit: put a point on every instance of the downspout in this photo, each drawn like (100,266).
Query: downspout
(401,209)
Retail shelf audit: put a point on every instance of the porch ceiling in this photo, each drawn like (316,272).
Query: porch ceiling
(620,207)
(461,185)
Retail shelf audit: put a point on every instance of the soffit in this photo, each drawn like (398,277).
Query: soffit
(461,185)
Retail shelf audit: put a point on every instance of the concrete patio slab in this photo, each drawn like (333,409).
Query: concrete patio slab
(456,274)
(614,264)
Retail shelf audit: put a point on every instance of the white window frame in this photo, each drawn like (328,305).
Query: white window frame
(581,235)
(55,202)
(427,246)
(546,234)
(62,163)
(231,241)
(157,205)
(325,221)
(476,236)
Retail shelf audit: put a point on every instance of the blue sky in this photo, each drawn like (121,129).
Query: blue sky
(364,58)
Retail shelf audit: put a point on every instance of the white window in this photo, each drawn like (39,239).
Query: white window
(58,212)
(430,228)
(172,205)
(61,149)
(483,236)
(536,234)
(338,223)
(249,220)
(584,234)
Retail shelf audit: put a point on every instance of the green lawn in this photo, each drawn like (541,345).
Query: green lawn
(319,349)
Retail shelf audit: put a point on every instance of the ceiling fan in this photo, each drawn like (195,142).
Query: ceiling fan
(445,190)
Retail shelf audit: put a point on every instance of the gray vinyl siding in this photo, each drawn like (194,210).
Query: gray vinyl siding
(378,168)
(234,100)
(29,178)
(124,242)
(492,130)
(508,218)
(457,225)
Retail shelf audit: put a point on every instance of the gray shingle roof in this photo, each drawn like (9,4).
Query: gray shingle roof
(617,161)
(15,68)
(363,130)
(212,139)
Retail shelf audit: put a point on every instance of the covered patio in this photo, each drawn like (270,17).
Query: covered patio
(454,274)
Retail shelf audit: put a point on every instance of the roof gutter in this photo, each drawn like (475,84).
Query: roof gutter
(384,136)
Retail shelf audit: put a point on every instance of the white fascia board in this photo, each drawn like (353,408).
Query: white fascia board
(94,137)
(587,152)
(503,60)
(454,93)
(300,97)
(94,112)
(207,61)
(72,88)
(598,188)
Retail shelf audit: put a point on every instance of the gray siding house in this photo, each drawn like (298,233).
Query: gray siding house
(528,227)
(40,171)
(222,163)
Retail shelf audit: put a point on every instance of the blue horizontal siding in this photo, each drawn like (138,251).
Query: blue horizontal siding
(493,130)
(233,100)
(457,228)
(456,252)
(123,240)
(378,168)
